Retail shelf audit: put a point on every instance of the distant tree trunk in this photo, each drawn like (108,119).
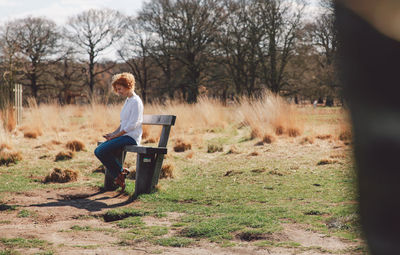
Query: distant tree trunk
(329,101)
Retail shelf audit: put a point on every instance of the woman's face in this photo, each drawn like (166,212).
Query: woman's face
(122,91)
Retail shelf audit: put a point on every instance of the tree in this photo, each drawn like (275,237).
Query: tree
(93,32)
(9,66)
(322,34)
(239,41)
(281,19)
(69,76)
(186,31)
(135,52)
(32,43)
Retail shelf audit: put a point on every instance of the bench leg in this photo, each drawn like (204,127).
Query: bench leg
(108,179)
(144,173)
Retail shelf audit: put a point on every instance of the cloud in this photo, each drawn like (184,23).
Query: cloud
(7,3)
(60,10)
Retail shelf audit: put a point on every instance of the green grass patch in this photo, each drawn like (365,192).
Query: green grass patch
(25,214)
(130,222)
(80,228)
(174,241)
(23,243)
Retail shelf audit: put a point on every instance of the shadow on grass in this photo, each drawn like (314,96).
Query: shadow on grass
(84,201)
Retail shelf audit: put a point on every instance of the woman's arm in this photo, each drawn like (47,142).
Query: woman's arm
(112,136)
(115,132)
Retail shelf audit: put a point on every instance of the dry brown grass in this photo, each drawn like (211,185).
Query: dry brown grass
(211,148)
(189,155)
(181,146)
(254,153)
(7,117)
(32,134)
(326,162)
(233,150)
(8,157)
(5,146)
(61,176)
(167,171)
(324,137)
(293,132)
(64,155)
(145,131)
(279,130)
(255,132)
(270,115)
(75,145)
(150,140)
(345,136)
(55,142)
(268,139)
(307,140)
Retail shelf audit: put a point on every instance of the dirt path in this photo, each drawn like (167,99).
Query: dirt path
(54,212)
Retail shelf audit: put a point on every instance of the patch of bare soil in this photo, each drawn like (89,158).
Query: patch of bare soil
(54,214)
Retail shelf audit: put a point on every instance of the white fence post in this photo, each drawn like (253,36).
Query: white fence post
(18,103)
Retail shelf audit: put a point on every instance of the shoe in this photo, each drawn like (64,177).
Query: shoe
(120,181)
(125,172)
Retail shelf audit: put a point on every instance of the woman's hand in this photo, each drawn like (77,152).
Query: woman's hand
(108,136)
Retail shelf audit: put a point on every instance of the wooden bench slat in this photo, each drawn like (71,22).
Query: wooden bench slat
(145,149)
(159,120)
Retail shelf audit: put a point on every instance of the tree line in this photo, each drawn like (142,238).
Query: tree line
(177,49)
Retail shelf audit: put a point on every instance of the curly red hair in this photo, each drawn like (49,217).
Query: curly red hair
(126,80)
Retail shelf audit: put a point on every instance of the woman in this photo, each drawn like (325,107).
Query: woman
(128,133)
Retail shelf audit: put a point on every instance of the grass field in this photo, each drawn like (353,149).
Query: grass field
(260,178)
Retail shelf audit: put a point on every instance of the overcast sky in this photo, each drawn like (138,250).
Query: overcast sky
(60,10)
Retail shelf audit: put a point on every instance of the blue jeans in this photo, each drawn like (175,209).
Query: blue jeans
(110,151)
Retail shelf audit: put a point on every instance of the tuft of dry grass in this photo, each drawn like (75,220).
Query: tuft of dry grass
(8,118)
(307,140)
(268,139)
(293,132)
(272,114)
(233,150)
(145,132)
(326,162)
(279,130)
(345,136)
(338,156)
(189,155)
(323,137)
(55,142)
(5,146)
(150,140)
(255,133)
(75,145)
(64,155)
(254,153)
(181,146)
(32,134)
(211,148)
(167,171)
(8,157)
(61,176)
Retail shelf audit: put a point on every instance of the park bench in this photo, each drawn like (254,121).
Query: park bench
(149,159)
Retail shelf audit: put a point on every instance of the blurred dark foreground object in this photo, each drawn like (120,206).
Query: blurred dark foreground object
(369,65)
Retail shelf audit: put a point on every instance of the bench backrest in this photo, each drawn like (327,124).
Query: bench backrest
(159,120)
(166,121)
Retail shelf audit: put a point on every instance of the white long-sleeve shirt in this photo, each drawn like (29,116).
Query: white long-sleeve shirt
(131,117)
